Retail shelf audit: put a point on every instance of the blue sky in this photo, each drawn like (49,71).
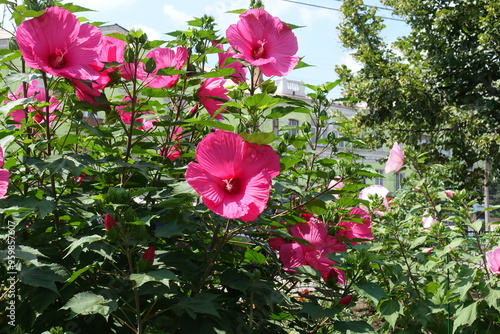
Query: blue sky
(318,41)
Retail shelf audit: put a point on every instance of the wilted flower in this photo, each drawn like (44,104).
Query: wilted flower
(111,58)
(213,87)
(493,260)
(232,176)
(395,160)
(126,116)
(264,41)
(57,43)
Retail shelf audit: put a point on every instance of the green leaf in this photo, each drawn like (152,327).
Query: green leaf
(89,303)
(353,327)
(79,242)
(316,206)
(372,291)
(43,276)
(254,256)
(465,315)
(211,124)
(221,72)
(261,138)
(316,311)
(163,276)
(417,242)
(477,225)
(492,298)
(390,310)
(202,303)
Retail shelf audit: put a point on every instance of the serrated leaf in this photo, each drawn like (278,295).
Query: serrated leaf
(163,276)
(90,303)
(43,276)
(79,242)
(390,310)
(203,303)
(316,206)
(348,327)
(493,298)
(465,315)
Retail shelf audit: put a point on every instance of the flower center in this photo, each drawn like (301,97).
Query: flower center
(56,60)
(232,185)
(259,51)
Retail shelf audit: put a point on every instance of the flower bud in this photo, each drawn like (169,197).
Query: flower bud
(149,254)
(109,222)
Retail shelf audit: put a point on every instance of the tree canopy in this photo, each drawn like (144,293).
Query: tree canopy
(437,89)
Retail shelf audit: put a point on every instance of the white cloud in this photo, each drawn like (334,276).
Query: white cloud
(350,62)
(100,5)
(176,17)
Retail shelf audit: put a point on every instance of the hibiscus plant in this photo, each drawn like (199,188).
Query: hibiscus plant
(142,193)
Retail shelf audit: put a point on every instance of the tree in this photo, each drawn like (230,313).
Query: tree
(437,89)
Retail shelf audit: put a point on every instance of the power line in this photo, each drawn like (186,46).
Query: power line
(338,10)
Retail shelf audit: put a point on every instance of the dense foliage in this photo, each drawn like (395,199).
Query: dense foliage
(143,193)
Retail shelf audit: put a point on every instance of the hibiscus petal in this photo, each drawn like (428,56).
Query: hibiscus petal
(220,154)
(4,182)
(396,159)
(291,255)
(205,184)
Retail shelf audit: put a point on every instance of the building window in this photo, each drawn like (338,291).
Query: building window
(293,123)
(276,126)
(379,180)
(398,178)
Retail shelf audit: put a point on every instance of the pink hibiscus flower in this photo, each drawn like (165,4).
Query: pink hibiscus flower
(173,152)
(449,193)
(164,58)
(493,260)
(110,58)
(213,87)
(126,116)
(4,177)
(232,176)
(57,43)
(38,94)
(356,229)
(240,71)
(314,253)
(264,41)
(395,160)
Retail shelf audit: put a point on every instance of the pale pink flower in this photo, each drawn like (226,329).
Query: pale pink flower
(4,177)
(313,253)
(395,160)
(213,87)
(336,184)
(57,43)
(232,176)
(375,190)
(428,250)
(361,228)
(264,41)
(38,94)
(427,220)
(240,71)
(493,260)
(449,193)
